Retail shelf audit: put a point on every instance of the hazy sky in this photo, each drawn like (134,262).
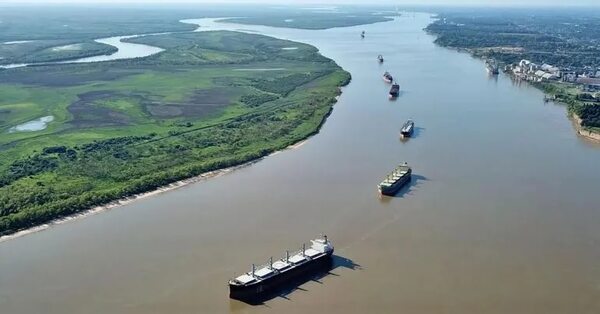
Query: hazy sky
(300,2)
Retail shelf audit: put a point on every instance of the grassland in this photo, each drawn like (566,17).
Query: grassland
(59,32)
(310,20)
(51,51)
(49,28)
(128,127)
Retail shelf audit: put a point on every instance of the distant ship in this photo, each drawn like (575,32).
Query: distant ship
(407,129)
(265,280)
(380,58)
(395,180)
(395,90)
(388,77)
(491,66)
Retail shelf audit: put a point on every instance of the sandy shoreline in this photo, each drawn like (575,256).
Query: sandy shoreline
(131,199)
(170,187)
(585,133)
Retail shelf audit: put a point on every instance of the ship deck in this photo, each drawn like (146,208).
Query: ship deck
(395,176)
(263,272)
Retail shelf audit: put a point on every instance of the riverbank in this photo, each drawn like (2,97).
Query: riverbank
(130,199)
(173,128)
(587,133)
(582,131)
(166,188)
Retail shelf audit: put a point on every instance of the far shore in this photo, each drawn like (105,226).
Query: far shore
(576,119)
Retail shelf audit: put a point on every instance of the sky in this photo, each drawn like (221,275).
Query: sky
(312,2)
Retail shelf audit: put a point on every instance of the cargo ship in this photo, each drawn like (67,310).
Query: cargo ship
(395,180)
(387,77)
(395,90)
(491,66)
(407,129)
(261,282)
(380,58)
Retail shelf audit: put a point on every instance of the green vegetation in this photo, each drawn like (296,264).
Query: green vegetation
(210,100)
(310,20)
(565,38)
(80,22)
(584,105)
(49,27)
(51,51)
(58,33)
(589,115)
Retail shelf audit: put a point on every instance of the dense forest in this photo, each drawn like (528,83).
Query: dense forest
(588,113)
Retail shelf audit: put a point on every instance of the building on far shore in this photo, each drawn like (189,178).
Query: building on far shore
(589,84)
(529,71)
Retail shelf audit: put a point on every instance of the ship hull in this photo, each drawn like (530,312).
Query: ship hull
(395,188)
(493,71)
(407,131)
(268,288)
(394,91)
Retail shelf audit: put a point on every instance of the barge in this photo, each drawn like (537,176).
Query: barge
(407,129)
(395,90)
(387,77)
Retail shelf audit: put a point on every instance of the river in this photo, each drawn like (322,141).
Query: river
(502,215)
(125,51)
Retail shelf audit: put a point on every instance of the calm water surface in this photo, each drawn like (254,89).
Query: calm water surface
(502,216)
(125,51)
(33,125)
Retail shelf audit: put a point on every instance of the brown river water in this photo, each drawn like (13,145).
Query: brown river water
(502,216)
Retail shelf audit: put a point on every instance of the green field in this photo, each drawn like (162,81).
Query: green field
(52,51)
(47,28)
(210,100)
(57,33)
(310,20)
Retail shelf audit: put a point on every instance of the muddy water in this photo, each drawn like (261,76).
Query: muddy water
(502,216)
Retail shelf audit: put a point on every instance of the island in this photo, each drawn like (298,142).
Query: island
(112,130)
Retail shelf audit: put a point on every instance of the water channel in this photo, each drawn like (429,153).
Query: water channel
(502,215)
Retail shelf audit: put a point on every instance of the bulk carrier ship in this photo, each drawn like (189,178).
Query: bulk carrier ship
(395,90)
(395,180)
(407,129)
(261,282)
(387,77)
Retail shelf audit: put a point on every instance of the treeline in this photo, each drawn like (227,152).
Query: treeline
(285,84)
(62,180)
(588,113)
(257,99)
